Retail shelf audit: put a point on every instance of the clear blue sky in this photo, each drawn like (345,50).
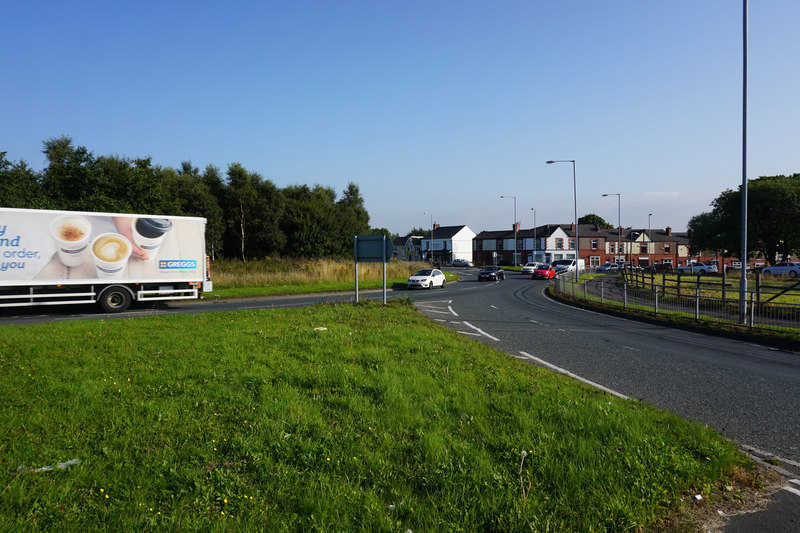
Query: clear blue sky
(438,106)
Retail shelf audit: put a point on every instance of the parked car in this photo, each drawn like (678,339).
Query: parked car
(544,272)
(698,268)
(427,278)
(564,265)
(607,267)
(782,269)
(660,267)
(530,267)
(462,263)
(491,272)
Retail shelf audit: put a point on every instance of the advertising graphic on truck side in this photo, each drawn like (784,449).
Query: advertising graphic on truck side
(57,257)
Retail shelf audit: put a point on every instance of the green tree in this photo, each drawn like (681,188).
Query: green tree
(773,228)
(20,186)
(253,208)
(352,219)
(69,178)
(591,218)
(310,223)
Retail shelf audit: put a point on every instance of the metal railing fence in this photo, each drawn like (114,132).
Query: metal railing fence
(669,301)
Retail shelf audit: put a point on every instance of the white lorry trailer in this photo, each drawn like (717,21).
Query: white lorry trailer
(72,257)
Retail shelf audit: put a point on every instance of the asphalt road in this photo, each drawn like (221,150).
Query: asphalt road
(746,391)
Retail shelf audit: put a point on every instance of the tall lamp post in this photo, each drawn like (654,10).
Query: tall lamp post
(515,226)
(619,222)
(431,239)
(575,200)
(535,260)
(649,238)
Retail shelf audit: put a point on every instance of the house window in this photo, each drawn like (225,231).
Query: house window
(520,245)
(478,245)
(667,260)
(499,244)
(611,248)
(594,244)
(572,244)
(559,244)
(643,248)
(594,260)
(666,247)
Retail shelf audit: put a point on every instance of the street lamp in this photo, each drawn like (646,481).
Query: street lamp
(649,238)
(431,239)
(575,199)
(534,235)
(619,222)
(515,226)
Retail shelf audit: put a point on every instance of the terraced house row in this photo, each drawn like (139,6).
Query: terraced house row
(552,242)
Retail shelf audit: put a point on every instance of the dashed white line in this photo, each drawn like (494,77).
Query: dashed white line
(574,376)
(481,332)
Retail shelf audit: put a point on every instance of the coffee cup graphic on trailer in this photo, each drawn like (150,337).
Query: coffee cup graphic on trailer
(148,233)
(72,234)
(110,252)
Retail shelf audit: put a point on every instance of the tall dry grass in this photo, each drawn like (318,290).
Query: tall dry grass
(233,273)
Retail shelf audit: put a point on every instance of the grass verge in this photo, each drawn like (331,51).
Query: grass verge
(353,417)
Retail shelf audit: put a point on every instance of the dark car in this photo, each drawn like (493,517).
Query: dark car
(491,272)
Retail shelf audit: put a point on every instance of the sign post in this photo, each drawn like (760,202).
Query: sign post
(372,249)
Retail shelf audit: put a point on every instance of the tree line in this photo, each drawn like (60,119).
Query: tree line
(773,220)
(248,216)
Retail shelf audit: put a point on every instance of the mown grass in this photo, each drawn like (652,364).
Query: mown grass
(353,417)
(277,277)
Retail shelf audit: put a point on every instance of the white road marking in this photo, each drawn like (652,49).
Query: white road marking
(755,451)
(792,490)
(494,307)
(574,376)
(471,333)
(481,332)
(451,310)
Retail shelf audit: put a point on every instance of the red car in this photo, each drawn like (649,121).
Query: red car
(544,272)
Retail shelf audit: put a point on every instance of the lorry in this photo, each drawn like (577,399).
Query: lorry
(111,259)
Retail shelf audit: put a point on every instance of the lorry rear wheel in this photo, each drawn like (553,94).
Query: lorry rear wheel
(115,299)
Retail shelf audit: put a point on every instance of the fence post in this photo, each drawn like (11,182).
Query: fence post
(625,295)
(697,304)
(758,285)
(752,309)
(602,301)
(724,283)
(655,299)
(585,292)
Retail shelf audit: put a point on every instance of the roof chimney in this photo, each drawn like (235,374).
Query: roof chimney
(669,230)
(436,225)
(515,227)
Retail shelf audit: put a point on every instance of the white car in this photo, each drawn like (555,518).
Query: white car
(698,268)
(564,265)
(782,269)
(427,278)
(462,263)
(530,267)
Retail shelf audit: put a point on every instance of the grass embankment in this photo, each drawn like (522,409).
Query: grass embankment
(275,277)
(381,421)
